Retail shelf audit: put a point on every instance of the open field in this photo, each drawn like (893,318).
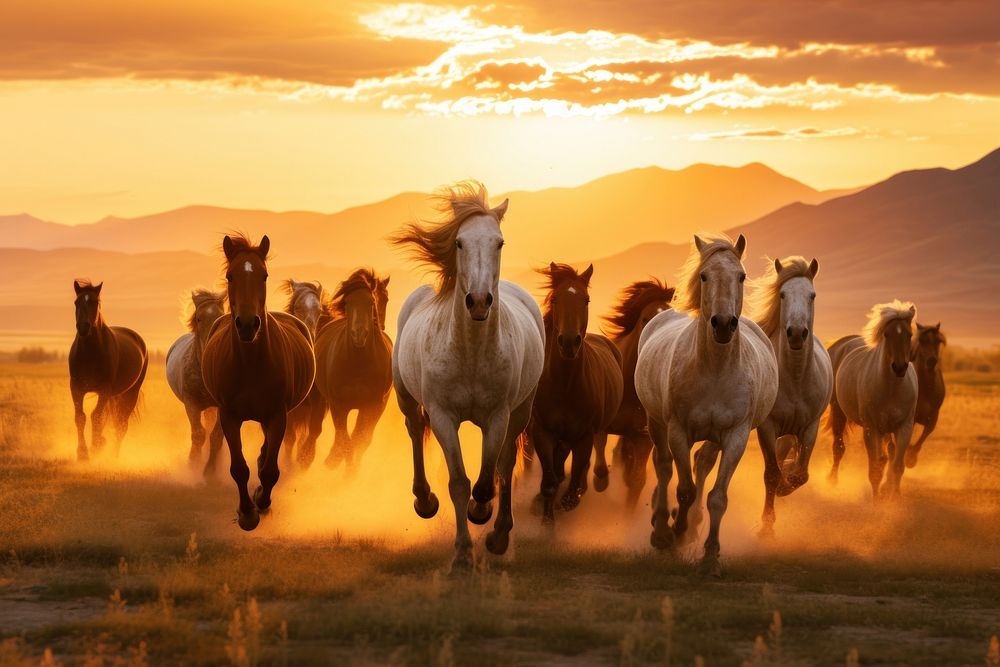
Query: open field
(136,560)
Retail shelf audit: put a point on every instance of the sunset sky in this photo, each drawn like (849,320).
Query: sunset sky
(123,107)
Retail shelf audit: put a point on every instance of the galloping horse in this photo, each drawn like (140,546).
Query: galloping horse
(783,305)
(930,385)
(305,423)
(108,361)
(579,391)
(709,376)
(471,350)
(875,386)
(639,303)
(258,366)
(354,364)
(184,373)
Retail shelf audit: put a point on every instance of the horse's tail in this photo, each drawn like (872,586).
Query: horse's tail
(525,452)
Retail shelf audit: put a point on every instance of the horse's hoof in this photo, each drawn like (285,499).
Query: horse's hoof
(249,520)
(790,484)
(497,542)
(766,532)
(262,506)
(832,479)
(662,539)
(82,455)
(600,483)
(428,507)
(549,520)
(911,459)
(710,567)
(570,501)
(462,563)
(537,506)
(479,513)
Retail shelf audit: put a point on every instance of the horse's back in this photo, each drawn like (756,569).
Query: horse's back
(842,347)
(176,360)
(132,358)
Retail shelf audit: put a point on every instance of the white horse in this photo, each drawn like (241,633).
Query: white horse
(472,350)
(703,373)
(783,304)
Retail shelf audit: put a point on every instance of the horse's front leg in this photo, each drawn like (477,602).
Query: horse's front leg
(578,472)
(895,477)
(600,462)
(425,503)
(267,466)
(97,419)
(498,539)
(197,433)
(81,424)
(445,428)
(307,447)
(246,515)
(662,537)
(704,461)
(545,446)
(494,433)
(876,459)
(913,451)
(772,475)
(364,430)
(340,451)
(636,449)
(799,476)
(838,424)
(733,445)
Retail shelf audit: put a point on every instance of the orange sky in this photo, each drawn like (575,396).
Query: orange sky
(120,107)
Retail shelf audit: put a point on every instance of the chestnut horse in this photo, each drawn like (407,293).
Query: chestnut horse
(108,361)
(926,360)
(184,373)
(638,304)
(579,391)
(354,364)
(258,366)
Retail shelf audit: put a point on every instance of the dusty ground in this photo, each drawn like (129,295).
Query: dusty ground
(136,560)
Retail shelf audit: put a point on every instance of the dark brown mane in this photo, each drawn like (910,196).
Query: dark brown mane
(360,279)
(632,301)
(433,244)
(200,296)
(86,284)
(556,275)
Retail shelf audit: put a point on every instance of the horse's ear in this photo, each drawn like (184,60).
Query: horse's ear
(813,268)
(777,265)
(698,243)
(501,210)
(552,267)
(77,287)
(227,247)
(265,246)
(588,272)
(913,311)
(385,281)
(937,327)
(741,245)
(98,286)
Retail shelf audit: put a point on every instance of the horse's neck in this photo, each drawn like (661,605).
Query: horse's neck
(796,363)
(102,338)
(886,376)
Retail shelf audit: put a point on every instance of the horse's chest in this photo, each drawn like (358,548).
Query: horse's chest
(714,408)
(792,411)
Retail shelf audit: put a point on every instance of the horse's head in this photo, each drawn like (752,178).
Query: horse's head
(478,245)
(898,335)
(361,310)
(306,302)
(246,275)
(722,276)
(927,348)
(568,306)
(798,300)
(88,306)
(208,307)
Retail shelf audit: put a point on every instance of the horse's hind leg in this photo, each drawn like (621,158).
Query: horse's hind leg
(498,539)
(600,462)
(635,451)
(307,446)
(772,476)
(838,423)
(364,430)
(267,467)
(578,473)
(97,422)
(340,451)
(733,446)
(902,439)
(246,515)
(661,537)
(425,503)
(704,461)
(197,433)
(876,459)
(799,476)
(913,451)
(81,424)
(545,446)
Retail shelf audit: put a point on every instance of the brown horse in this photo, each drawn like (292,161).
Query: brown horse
(258,366)
(354,364)
(639,303)
(108,361)
(930,384)
(580,389)
(306,301)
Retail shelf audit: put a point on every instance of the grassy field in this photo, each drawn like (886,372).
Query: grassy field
(137,560)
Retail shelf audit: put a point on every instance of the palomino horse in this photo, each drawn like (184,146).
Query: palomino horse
(184,373)
(108,361)
(709,376)
(579,391)
(354,365)
(875,386)
(783,303)
(639,303)
(305,423)
(258,366)
(472,350)
(930,383)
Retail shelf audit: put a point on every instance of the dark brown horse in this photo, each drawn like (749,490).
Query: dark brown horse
(354,364)
(930,384)
(108,361)
(258,366)
(638,304)
(580,389)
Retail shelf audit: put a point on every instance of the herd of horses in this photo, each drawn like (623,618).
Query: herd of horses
(682,365)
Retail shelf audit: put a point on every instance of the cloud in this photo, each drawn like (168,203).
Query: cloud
(772,134)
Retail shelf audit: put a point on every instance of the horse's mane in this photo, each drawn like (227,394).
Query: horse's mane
(433,244)
(765,295)
(382,299)
(360,279)
(200,296)
(556,275)
(687,295)
(882,314)
(632,301)
(241,242)
(296,290)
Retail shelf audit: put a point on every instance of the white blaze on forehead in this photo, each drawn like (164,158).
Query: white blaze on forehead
(86,297)
(899,327)
(571,290)
(248,267)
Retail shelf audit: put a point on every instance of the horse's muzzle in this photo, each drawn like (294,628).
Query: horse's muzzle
(931,363)
(569,346)
(83,329)
(247,328)
(900,368)
(359,338)
(796,337)
(723,327)
(479,305)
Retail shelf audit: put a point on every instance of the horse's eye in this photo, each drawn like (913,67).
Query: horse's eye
(458,244)
(782,295)
(500,245)
(229,276)
(743,277)
(704,278)
(812,297)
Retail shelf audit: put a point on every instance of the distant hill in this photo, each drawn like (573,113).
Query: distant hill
(606,215)
(931,236)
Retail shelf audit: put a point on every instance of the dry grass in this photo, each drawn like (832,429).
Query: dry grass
(137,561)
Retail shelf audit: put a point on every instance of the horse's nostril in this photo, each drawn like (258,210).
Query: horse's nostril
(256,323)
(561,340)
(468,301)
(714,321)
(489,300)
(733,323)
(789,332)
(578,339)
